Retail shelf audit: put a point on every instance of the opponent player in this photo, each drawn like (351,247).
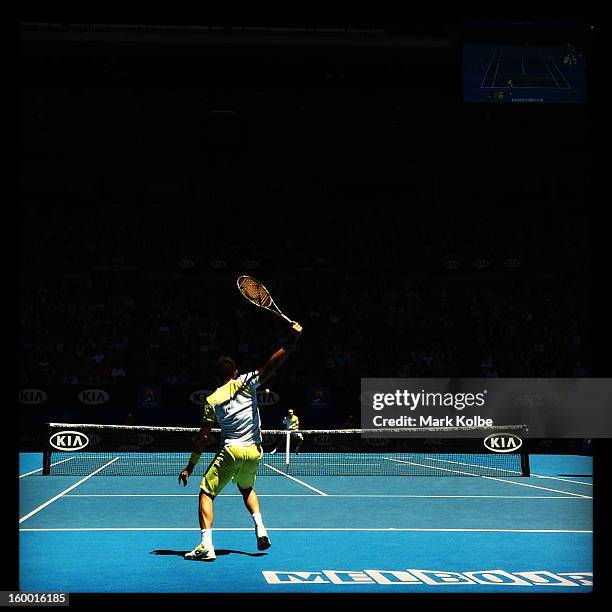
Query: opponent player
(234,406)
(292,423)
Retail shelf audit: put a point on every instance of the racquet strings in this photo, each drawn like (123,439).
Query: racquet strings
(255,292)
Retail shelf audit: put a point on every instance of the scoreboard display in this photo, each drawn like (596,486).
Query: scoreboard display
(524,63)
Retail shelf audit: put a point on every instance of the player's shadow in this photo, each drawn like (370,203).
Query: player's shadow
(220,552)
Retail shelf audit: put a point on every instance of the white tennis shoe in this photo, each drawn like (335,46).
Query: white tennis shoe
(201,553)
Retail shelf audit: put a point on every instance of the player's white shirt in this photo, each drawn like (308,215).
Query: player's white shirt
(236,411)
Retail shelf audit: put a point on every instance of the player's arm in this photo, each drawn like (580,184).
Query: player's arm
(198,444)
(281,355)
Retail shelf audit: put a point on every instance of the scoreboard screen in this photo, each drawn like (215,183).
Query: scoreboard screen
(524,65)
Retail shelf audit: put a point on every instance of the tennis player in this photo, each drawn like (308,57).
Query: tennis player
(291,423)
(234,406)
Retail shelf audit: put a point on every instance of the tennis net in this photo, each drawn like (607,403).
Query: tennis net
(122,450)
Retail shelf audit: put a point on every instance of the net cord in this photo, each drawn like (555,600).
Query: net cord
(430,430)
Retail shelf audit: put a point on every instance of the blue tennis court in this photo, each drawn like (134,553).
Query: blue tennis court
(329,534)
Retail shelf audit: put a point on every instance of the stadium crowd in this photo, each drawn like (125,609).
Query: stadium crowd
(122,301)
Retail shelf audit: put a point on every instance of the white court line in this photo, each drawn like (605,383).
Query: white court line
(487,467)
(250,529)
(524,484)
(519,484)
(549,70)
(488,68)
(496,70)
(40,469)
(330,495)
(586,484)
(553,77)
(562,75)
(188,495)
(74,486)
(435,467)
(482,467)
(296,480)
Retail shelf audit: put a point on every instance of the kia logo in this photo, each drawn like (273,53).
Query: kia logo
(452,264)
(503,443)
(323,440)
(377,442)
(218,264)
(144,439)
(69,440)
(93,397)
(267,398)
(186,263)
(482,263)
(512,262)
(32,397)
(268,439)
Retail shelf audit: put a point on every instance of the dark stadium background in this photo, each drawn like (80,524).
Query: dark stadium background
(410,234)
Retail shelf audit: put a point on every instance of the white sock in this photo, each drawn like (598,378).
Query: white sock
(259,526)
(207,538)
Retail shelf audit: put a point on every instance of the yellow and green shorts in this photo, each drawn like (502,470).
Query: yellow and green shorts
(237,463)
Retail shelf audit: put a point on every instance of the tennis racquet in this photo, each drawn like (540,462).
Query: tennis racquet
(257,294)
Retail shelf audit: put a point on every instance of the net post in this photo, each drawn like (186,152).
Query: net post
(525,469)
(46,466)
(287,447)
